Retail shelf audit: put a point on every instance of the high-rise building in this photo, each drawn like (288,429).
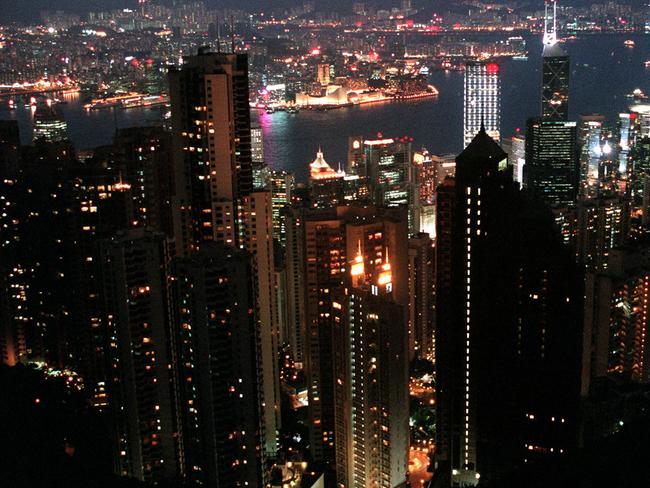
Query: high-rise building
(142,156)
(212,147)
(325,183)
(515,147)
(371,393)
(422,286)
(216,339)
(616,318)
(507,325)
(323,74)
(134,290)
(389,174)
(257,144)
(321,244)
(49,124)
(215,199)
(591,150)
(556,69)
(482,100)
(551,170)
(282,185)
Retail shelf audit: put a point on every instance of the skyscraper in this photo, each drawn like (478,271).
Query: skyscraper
(321,247)
(616,318)
(551,170)
(49,124)
(216,339)
(591,150)
(212,147)
(556,69)
(482,100)
(507,329)
(133,277)
(214,196)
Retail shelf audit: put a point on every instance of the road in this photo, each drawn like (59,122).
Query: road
(418,463)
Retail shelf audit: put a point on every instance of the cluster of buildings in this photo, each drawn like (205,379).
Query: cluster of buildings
(175,273)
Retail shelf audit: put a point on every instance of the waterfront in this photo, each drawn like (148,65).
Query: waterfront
(603,72)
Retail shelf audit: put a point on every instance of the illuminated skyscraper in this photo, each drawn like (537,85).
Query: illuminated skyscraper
(49,124)
(212,147)
(616,318)
(215,199)
(257,144)
(482,100)
(591,151)
(556,69)
(322,248)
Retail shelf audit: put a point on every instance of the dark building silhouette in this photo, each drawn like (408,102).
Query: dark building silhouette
(551,171)
(508,303)
(216,338)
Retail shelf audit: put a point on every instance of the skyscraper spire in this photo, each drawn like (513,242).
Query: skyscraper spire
(550,22)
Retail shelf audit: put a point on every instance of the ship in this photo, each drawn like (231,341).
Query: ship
(629,43)
(637,95)
(126,100)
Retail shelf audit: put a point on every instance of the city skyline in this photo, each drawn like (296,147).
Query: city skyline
(276,266)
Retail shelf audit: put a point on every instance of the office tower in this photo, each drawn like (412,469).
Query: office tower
(421,296)
(134,290)
(515,147)
(371,392)
(556,69)
(551,170)
(325,183)
(590,132)
(430,172)
(319,243)
(282,186)
(323,74)
(507,325)
(642,112)
(355,155)
(212,147)
(49,124)
(629,132)
(639,168)
(616,318)
(389,174)
(482,100)
(216,337)
(257,144)
(215,199)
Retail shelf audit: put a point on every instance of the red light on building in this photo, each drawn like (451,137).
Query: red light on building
(492,68)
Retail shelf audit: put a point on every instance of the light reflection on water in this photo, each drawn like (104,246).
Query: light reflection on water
(603,72)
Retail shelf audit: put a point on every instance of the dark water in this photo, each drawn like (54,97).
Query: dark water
(603,72)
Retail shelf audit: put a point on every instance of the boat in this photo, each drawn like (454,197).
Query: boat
(270,110)
(629,43)
(293,110)
(638,95)
(647,63)
(521,57)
